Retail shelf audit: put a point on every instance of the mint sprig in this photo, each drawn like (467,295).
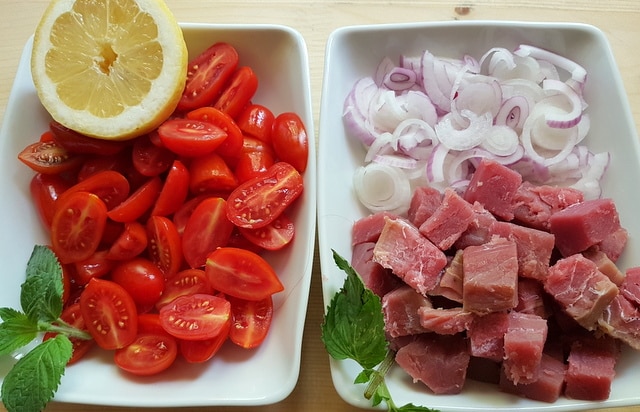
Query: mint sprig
(353,328)
(33,380)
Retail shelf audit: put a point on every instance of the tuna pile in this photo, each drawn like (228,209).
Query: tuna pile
(507,282)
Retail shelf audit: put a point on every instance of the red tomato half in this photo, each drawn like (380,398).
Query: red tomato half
(165,245)
(183,283)
(109,313)
(207,74)
(131,242)
(211,174)
(198,351)
(238,93)
(95,266)
(142,279)
(71,314)
(242,274)
(259,201)
(149,159)
(148,354)
(253,164)
(256,121)
(274,236)
(45,190)
(49,157)
(233,143)
(207,229)
(76,142)
(110,186)
(174,191)
(138,202)
(290,141)
(250,321)
(195,317)
(188,137)
(77,226)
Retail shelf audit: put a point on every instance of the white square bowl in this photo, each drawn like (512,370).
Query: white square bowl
(355,52)
(235,376)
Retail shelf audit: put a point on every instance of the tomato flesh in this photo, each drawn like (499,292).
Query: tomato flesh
(195,317)
(251,321)
(165,245)
(148,354)
(274,236)
(232,145)
(199,351)
(49,157)
(207,229)
(184,283)
(238,93)
(188,137)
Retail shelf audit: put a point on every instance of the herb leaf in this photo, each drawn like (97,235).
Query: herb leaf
(34,379)
(353,327)
(16,330)
(41,294)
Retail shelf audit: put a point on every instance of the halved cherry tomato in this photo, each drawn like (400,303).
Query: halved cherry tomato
(149,159)
(259,201)
(256,120)
(274,236)
(49,157)
(195,317)
(76,142)
(290,140)
(142,279)
(198,351)
(182,215)
(188,137)
(165,245)
(138,202)
(148,354)
(174,191)
(109,313)
(233,143)
(77,226)
(132,241)
(110,186)
(72,316)
(242,274)
(186,282)
(150,323)
(252,164)
(45,190)
(238,93)
(211,174)
(250,321)
(95,266)
(207,229)
(207,74)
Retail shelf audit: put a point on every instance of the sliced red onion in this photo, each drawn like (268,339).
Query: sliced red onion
(381,187)
(501,141)
(478,94)
(396,160)
(578,73)
(498,56)
(572,116)
(435,163)
(383,144)
(536,130)
(411,133)
(385,66)
(513,113)
(400,79)
(437,78)
(463,139)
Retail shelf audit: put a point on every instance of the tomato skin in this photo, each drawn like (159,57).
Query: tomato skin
(76,142)
(109,313)
(110,186)
(242,274)
(190,138)
(195,317)
(131,242)
(274,236)
(45,190)
(77,226)
(49,157)
(150,323)
(174,191)
(150,160)
(252,164)
(233,143)
(207,229)
(138,202)
(290,140)
(72,315)
(142,279)
(207,74)
(165,245)
(259,201)
(199,351)
(211,174)
(256,120)
(238,93)
(93,164)
(95,266)
(250,321)
(149,354)
(182,215)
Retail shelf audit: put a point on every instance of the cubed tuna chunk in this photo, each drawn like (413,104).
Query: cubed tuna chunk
(584,224)
(580,288)
(591,368)
(445,321)
(479,229)
(438,361)
(531,298)
(613,245)
(410,256)
(494,186)
(368,228)
(490,280)
(547,388)
(630,287)
(605,264)
(486,335)
(621,320)
(400,308)
(523,345)
(424,202)
(450,219)
(374,276)
(533,205)
(450,285)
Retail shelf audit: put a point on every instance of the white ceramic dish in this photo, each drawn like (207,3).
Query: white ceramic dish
(235,377)
(354,52)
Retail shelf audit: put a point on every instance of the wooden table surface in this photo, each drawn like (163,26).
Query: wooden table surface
(315,20)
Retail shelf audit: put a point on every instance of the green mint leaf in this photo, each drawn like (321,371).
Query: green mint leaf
(34,379)
(353,327)
(16,330)
(41,293)
(413,408)
(364,376)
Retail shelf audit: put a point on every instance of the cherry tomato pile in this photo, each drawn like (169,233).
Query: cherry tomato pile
(161,237)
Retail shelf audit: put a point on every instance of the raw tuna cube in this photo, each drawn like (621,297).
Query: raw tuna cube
(580,288)
(490,276)
(630,287)
(438,361)
(534,248)
(494,186)
(613,245)
(584,224)
(445,321)
(478,231)
(605,265)
(590,371)
(450,285)
(547,388)
(531,298)
(424,202)
(486,335)
(368,228)
(523,344)
(533,205)
(448,221)
(410,256)
(621,319)
(374,276)
(400,309)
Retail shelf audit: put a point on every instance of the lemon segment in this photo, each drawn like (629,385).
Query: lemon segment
(111,69)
